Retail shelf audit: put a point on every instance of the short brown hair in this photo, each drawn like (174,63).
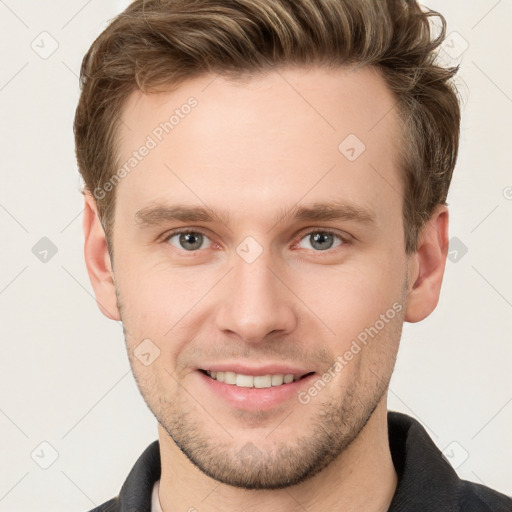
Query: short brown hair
(158,44)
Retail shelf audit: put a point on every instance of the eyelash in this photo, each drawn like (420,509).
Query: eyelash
(344,240)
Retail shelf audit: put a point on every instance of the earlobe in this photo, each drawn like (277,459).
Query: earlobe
(426,266)
(97,260)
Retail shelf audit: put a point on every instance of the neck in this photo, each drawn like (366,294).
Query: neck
(361,478)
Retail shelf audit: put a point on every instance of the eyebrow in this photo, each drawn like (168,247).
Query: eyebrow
(159,214)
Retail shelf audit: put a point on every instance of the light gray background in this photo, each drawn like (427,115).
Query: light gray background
(65,377)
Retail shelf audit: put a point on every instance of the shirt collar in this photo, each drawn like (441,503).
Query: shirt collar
(426,481)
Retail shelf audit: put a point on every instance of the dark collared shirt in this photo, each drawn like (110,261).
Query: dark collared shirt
(426,481)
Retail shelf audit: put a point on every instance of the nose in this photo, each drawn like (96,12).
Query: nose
(256,302)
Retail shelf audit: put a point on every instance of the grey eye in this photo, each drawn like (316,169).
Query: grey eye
(321,240)
(189,241)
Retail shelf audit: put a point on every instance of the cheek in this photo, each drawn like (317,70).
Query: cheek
(157,296)
(160,304)
(350,298)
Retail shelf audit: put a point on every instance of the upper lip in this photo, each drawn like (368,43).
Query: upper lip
(268,369)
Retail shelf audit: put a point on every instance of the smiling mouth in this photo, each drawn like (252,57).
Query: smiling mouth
(254,381)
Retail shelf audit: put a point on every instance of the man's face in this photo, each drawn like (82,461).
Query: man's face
(262,291)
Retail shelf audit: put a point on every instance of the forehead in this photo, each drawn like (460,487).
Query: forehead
(262,144)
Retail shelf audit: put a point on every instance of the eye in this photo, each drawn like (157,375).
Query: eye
(321,240)
(193,240)
(188,240)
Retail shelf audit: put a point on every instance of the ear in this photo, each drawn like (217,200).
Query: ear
(97,260)
(426,266)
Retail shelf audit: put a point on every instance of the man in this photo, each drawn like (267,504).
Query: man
(265,205)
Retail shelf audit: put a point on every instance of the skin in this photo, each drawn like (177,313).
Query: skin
(255,149)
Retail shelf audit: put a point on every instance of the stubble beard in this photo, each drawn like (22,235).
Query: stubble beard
(276,463)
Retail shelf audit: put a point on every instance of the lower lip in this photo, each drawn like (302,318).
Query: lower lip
(256,398)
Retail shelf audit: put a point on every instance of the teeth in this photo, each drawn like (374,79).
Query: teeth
(287,379)
(230,377)
(263,381)
(277,380)
(252,381)
(244,381)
